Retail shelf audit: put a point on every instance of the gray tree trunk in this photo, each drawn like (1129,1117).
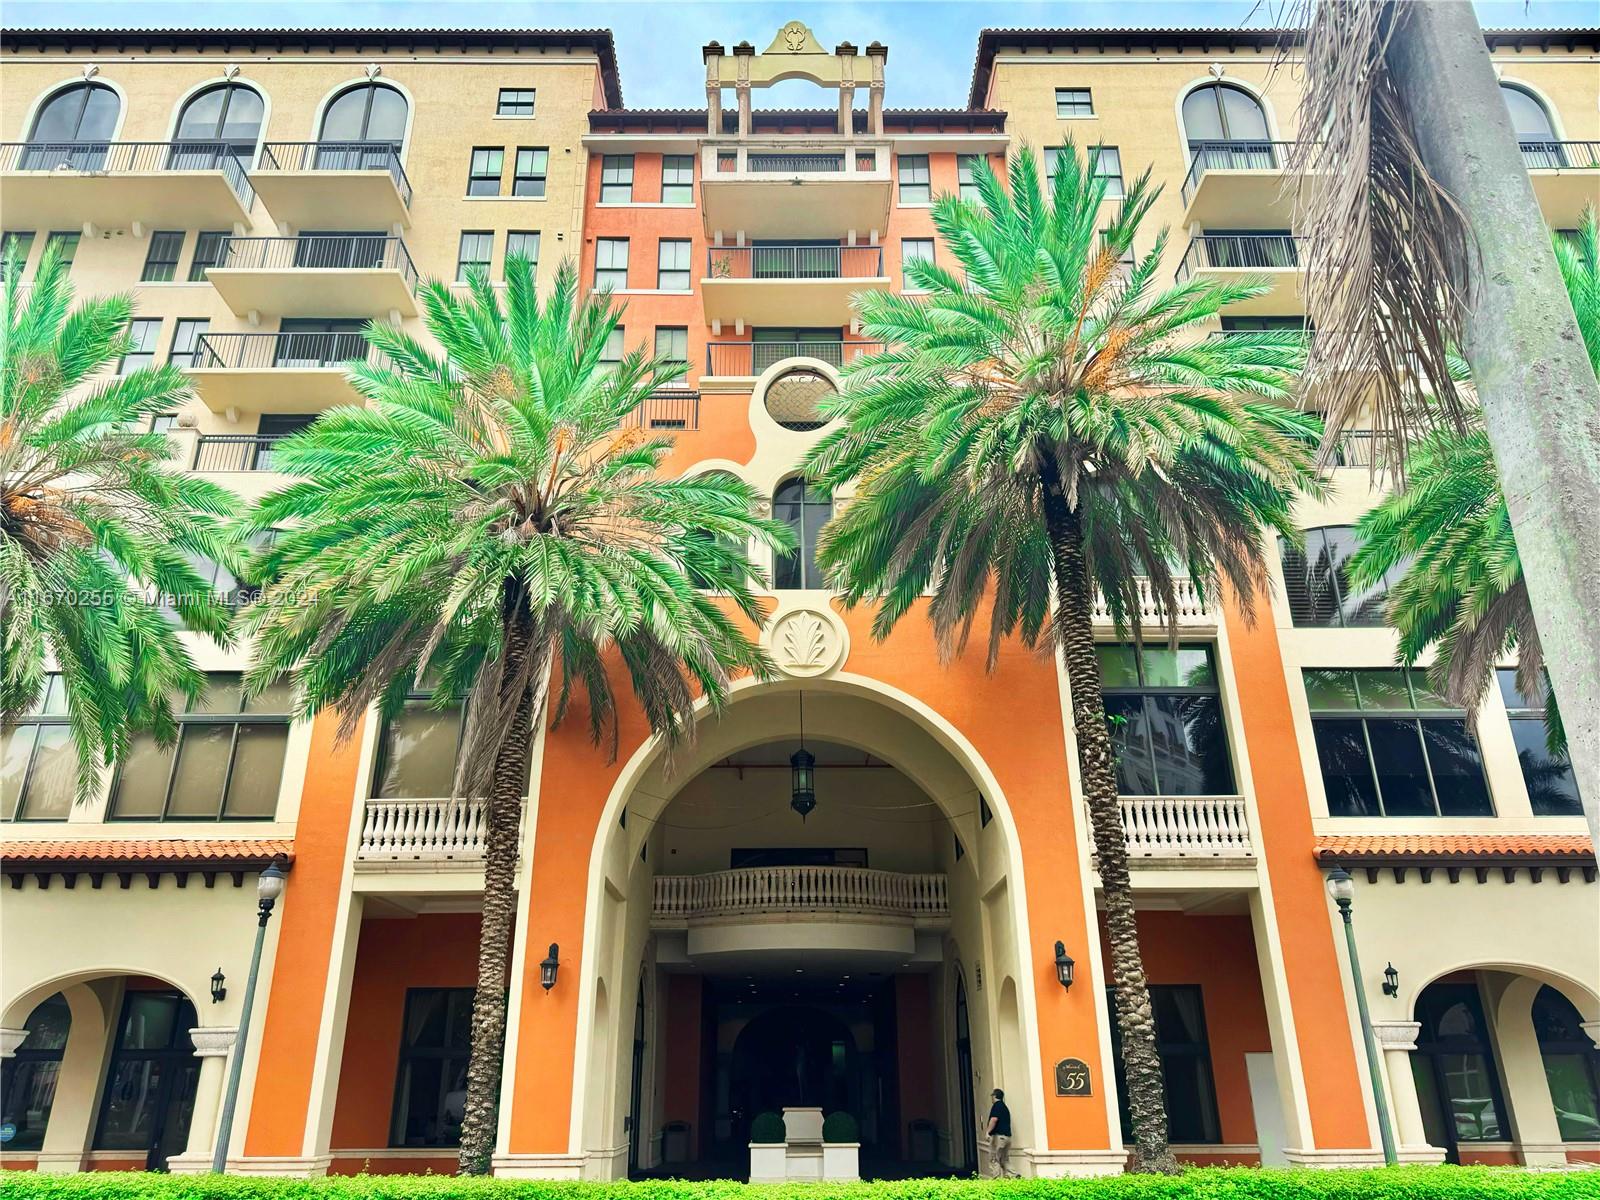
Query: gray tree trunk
(1541,404)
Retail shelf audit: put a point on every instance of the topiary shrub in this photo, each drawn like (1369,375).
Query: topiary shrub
(768,1128)
(840,1127)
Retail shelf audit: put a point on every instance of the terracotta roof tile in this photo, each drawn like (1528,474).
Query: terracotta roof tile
(23,855)
(1466,846)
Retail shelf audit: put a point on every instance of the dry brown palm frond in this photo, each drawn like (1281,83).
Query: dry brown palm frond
(1387,252)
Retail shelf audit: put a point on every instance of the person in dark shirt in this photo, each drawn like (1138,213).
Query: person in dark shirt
(999,1131)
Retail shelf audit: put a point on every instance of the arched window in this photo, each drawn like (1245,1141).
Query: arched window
(702,578)
(805,511)
(1533,127)
(74,128)
(363,127)
(1571,1065)
(1220,112)
(224,118)
(1457,1083)
(30,1074)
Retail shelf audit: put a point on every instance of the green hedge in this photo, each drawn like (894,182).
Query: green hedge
(1395,1183)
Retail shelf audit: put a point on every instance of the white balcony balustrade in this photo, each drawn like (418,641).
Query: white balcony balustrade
(423,830)
(752,891)
(1191,606)
(1186,827)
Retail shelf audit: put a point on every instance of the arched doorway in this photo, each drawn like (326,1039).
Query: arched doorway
(151,1080)
(1458,1084)
(28,1078)
(1571,1063)
(795,1056)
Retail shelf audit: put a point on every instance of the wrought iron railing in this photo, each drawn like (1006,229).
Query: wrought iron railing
(129,158)
(794,262)
(1547,155)
(338,156)
(261,350)
(320,251)
(235,451)
(667,409)
(1248,251)
(752,358)
(1235,155)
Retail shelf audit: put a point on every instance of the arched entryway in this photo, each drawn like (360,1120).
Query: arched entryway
(794,1055)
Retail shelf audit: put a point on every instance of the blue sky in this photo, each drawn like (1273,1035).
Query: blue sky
(931,43)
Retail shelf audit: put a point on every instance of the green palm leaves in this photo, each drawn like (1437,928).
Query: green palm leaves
(95,523)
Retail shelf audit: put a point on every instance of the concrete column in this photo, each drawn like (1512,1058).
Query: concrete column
(83,1062)
(743,91)
(211,1046)
(1397,1040)
(1532,1114)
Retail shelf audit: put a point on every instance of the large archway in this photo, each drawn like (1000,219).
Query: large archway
(865,916)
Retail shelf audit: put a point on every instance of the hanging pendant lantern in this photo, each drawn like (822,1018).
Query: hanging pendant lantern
(802,772)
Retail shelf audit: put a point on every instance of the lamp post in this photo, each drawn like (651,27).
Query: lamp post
(269,886)
(1343,889)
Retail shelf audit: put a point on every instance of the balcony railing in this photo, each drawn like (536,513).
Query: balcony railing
(667,409)
(752,358)
(1186,826)
(423,830)
(337,156)
(1240,251)
(755,890)
(1245,155)
(320,251)
(1547,156)
(261,351)
(794,262)
(789,164)
(130,158)
(1191,606)
(235,451)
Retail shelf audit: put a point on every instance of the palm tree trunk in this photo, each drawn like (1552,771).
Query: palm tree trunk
(480,1118)
(1135,1016)
(1541,404)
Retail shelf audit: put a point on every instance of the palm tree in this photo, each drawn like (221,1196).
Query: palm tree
(494,515)
(1463,590)
(1042,427)
(93,521)
(1425,233)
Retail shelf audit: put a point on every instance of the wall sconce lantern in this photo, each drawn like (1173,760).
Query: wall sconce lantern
(1064,966)
(802,772)
(1391,981)
(548,968)
(219,987)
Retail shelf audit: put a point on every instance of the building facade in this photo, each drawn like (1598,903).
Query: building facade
(895,954)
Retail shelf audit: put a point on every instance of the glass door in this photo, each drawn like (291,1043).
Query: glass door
(150,1084)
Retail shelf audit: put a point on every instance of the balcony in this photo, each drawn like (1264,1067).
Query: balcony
(1565,177)
(115,185)
(665,411)
(331,185)
(226,453)
(788,284)
(424,831)
(747,360)
(1234,257)
(1238,183)
(316,275)
(1186,827)
(276,372)
(796,187)
(1191,606)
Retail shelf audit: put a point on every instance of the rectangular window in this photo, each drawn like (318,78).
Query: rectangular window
(672,267)
(1051,153)
(1317,586)
(1105,162)
(526,243)
(967,182)
(612,353)
(477,250)
(611,263)
(1074,102)
(435,1041)
(18,244)
(65,242)
(677,179)
(163,422)
(226,765)
(616,179)
(1164,710)
(515,102)
(1552,788)
(914,179)
(417,750)
(142,335)
(1263,324)
(1388,747)
(913,250)
(208,251)
(1185,1053)
(186,340)
(533,164)
(161,263)
(672,343)
(38,765)
(483,177)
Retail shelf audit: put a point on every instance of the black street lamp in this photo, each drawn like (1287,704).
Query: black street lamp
(269,886)
(1343,890)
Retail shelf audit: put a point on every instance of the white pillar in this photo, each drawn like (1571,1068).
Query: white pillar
(1397,1039)
(1527,1090)
(211,1046)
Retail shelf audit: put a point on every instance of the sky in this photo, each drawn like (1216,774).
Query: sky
(931,42)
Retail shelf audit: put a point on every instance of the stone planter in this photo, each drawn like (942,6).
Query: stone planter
(768,1162)
(841,1160)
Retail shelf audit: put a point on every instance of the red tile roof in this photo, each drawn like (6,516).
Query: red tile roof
(1463,846)
(86,853)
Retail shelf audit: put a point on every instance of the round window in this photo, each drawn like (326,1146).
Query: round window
(794,399)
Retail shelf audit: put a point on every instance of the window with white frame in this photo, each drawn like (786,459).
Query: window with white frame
(532,166)
(515,102)
(143,333)
(677,179)
(913,250)
(1105,162)
(611,263)
(488,164)
(1074,102)
(616,179)
(477,251)
(672,265)
(915,185)
(526,243)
